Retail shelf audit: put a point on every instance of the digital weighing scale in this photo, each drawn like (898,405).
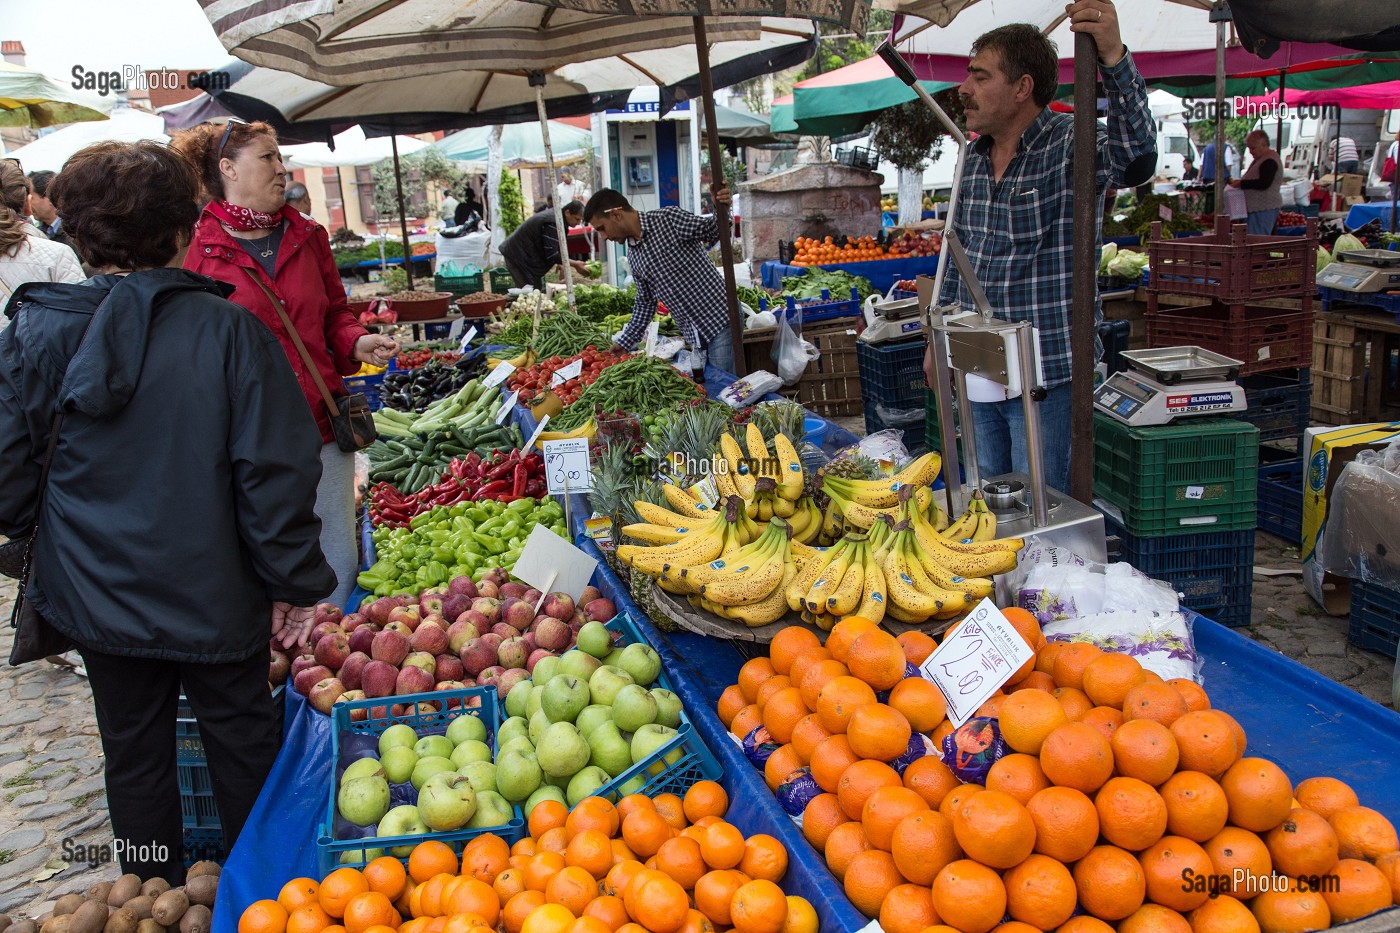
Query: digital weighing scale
(1362,270)
(1165,384)
(894,320)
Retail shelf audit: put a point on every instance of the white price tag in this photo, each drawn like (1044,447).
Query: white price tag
(565,373)
(653,334)
(467,338)
(567,467)
(536,436)
(498,375)
(1165,213)
(972,663)
(1195,492)
(504,412)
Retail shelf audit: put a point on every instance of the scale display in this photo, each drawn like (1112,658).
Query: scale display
(1139,401)
(1350,277)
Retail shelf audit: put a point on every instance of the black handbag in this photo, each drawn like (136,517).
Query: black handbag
(352,422)
(35,639)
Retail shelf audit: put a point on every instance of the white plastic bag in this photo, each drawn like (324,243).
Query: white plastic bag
(882,445)
(791,352)
(1161,641)
(749,390)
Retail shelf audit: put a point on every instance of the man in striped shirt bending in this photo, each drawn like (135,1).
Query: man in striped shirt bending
(1015,212)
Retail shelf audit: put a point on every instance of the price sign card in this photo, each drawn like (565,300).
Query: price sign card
(565,373)
(974,661)
(504,411)
(552,565)
(467,338)
(567,467)
(498,375)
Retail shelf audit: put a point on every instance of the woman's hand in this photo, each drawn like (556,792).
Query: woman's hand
(291,625)
(375,349)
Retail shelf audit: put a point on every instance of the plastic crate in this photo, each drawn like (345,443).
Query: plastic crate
(459,285)
(197,807)
(1267,339)
(1278,404)
(892,374)
(913,422)
(819,309)
(369,386)
(1280,502)
(1232,266)
(1387,303)
(204,845)
(198,810)
(501,280)
(332,852)
(1178,479)
(189,746)
(1375,618)
(1213,573)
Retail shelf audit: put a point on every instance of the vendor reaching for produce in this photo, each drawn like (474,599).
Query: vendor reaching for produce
(669,254)
(533,249)
(1015,211)
(250,238)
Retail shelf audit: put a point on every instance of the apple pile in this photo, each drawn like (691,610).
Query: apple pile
(446,638)
(406,784)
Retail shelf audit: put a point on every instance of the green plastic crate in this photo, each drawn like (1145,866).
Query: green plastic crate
(459,285)
(501,281)
(1198,476)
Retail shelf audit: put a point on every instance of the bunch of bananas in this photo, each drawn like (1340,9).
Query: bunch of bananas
(857,504)
(844,579)
(520,361)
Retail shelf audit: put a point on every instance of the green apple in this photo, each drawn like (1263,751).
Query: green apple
(542,793)
(668,707)
(546,669)
(564,698)
(593,716)
(651,738)
(363,800)
(491,810)
(539,722)
(534,700)
(397,735)
(605,683)
(585,784)
(642,662)
(402,821)
(633,785)
(482,774)
(447,801)
(579,663)
(518,775)
(518,697)
(466,728)
(399,763)
(514,727)
(612,657)
(633,707)
(434,746)
(609,750)
(427,767)
(562,750)
(362,767)
(468,751)
(358,857)
(595,639)
(522,743)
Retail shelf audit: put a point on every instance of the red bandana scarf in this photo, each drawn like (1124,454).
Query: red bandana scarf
(243,218)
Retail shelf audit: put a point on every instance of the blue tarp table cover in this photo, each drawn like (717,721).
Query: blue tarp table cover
(882,273)
(1362,214)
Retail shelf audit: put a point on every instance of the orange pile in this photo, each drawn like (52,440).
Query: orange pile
(1119,786)
(813,252)
(663,865)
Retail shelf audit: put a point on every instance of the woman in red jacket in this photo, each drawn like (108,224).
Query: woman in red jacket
(247,234)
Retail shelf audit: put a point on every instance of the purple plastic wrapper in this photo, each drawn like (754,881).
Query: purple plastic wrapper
(919,746)
(758,745)
(797,790)
(971,750)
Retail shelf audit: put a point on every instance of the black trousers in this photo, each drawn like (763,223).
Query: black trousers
(135,700)
(523,278)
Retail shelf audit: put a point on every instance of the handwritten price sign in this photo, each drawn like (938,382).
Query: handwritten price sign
(974,661)
(567,467)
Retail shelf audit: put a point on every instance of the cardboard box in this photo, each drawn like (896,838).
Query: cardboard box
(1352,186)
(1327,451)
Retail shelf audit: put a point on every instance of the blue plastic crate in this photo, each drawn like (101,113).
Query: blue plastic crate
(369,386)
(892,374)
(204,845)
(823,309)
(197,807)
(1213,573)
(1387,303)
(189,747)
(1280,502)
(1279,403)
(1375,618)
(332,852)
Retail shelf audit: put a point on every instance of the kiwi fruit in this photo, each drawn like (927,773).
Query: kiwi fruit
(197,919)
(58,924)
(122,921)
(99,891)
(5,922)
(155,887)
(170,907)
(67,904)
(147,926)
(124,889)
(23,925)
(91,917)
(201,889)
(140,906)
(203,868)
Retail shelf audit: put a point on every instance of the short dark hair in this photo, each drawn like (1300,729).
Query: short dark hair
(129,205)
(1024,50)
(603,200)
(574,207)
(40,181)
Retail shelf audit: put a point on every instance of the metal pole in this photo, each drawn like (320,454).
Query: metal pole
(537,79)
(1337,162)
(1278,126)
(1084,282)
(1394,185)
(1220,14)
(722,218)
(403,222)
(1035,459)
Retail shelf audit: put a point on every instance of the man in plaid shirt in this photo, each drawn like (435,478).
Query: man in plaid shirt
(669,251)
(1015,211)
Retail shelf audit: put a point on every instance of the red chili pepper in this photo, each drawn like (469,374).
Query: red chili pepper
(522,476)
(493,490)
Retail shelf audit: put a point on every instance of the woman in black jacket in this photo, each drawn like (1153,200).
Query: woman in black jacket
(178,534)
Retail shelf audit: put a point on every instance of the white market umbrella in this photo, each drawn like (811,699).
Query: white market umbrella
(522,145)
(32,98)
(50,152)
(351,148)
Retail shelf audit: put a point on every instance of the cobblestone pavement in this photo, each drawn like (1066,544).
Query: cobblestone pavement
(51,785)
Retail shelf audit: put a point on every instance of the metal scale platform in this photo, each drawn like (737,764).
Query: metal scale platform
(901,319)
(1362,271)
(1165,384)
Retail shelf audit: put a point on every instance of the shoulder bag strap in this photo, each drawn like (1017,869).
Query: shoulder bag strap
(296,339)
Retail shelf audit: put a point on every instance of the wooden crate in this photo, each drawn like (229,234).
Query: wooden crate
(1354,373)
(831,384)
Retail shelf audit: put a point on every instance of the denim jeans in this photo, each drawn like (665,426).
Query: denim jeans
(1262,222)
(719,352)
(1001,437)
(1348,167)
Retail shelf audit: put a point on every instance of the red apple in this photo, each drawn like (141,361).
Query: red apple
(352,671)
(310,677)
(390,646)
(324,693)
(560,606)
(332,649)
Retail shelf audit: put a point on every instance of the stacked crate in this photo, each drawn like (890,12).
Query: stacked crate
(1182,500)
(894,389)
(1250,298)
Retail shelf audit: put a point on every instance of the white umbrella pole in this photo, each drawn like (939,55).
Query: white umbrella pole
(493,194)
(537,79)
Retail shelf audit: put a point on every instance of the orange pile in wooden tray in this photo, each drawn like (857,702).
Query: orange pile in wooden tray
(814,252)
(644,865)
(1123,803)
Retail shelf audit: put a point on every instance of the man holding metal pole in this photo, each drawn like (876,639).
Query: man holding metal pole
(1015,215)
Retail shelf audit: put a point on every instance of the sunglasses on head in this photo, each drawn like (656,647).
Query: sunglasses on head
(228,129)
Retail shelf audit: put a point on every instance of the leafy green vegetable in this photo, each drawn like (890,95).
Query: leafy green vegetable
(596,303)
(838,284)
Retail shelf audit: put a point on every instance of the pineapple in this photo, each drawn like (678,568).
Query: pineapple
(781,418)
(693,432)
(852,466)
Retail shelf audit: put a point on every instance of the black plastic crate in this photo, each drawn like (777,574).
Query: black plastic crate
(1375,618)
(1280,502)
(204,845)
(1279,403)
(892,374)
(913,427)
(1213,573)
